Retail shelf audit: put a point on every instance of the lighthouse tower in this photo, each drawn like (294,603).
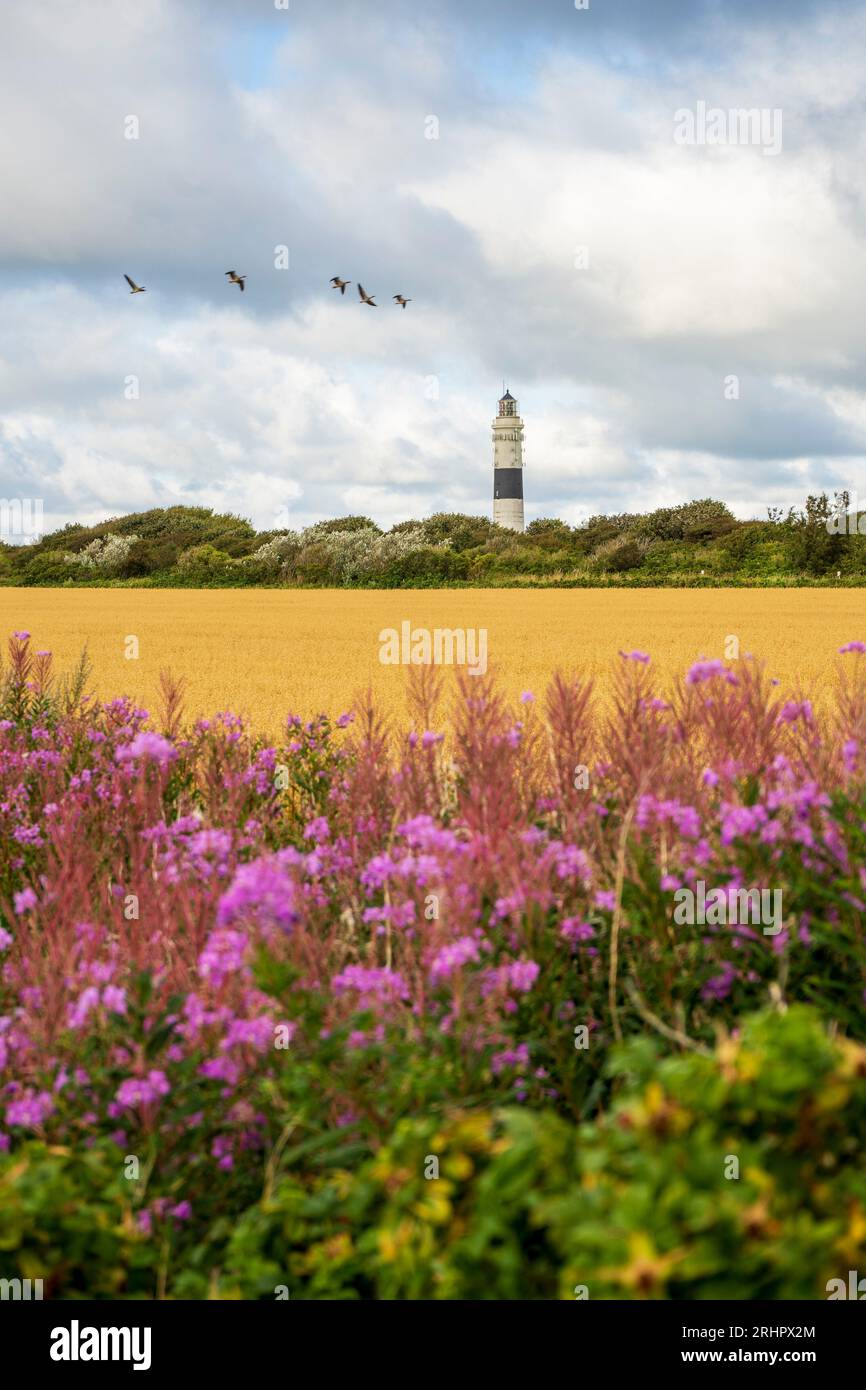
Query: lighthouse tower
(508,465)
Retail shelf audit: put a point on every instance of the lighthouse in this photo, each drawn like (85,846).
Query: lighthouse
(508,465)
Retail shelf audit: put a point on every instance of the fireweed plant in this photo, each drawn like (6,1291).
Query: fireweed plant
(230,968)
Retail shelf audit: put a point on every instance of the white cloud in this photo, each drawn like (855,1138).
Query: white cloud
(702,262)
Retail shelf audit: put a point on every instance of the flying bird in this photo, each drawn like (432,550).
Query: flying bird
(133,287)
(366,298)
(339,284)
(401,300)
(236,279)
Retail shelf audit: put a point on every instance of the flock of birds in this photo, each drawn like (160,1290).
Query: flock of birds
(365,298)
(336,283)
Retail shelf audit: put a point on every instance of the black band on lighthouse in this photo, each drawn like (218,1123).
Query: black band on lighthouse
(507,483)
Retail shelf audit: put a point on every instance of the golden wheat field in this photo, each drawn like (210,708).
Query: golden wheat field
(264,653)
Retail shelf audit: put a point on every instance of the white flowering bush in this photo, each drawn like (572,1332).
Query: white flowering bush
(107,554)
(357,555)
(350,553)
(275,554)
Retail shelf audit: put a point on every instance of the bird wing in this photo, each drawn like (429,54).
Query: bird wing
(241,283)
(131,283)
(361,291)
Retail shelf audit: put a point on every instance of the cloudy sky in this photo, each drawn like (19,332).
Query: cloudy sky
(513,166)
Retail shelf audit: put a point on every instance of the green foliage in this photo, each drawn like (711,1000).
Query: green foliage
(66,1218)
(697,542)
(152,556)
(709,528)
(203,564)
(458,531)
(734,1173)
(662,1209)
(428,566)
(549,533)
(739,544)
(700,519)
(48,567)
(618,554)
(813,545)
(345,523)
(314,564)
(598,531)
(643,1202)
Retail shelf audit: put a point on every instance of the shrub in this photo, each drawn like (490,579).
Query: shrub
(733,1174)
(810,545)
(549,531)
(351,555)
(150,557)
(342,524)
(47,567)
(275,557)
(316,563)
(701,517)
(617,555)
(203,564)
(459,531)
(428,565)
(739,542)
(353,550)
(107,555)
(708,529)
(597,531)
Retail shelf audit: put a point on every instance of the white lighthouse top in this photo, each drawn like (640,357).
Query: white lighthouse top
(507,404)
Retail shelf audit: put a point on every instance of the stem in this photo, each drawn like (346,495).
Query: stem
(617,917)
(673,1034)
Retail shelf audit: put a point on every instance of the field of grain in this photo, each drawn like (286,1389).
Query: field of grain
(267,652)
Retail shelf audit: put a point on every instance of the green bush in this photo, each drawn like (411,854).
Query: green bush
(204,564)
(702,518)
(642,1203)
(433,566)
(740,542)
(733,1173)
(66,1218)
(617,555)
(811,546)
(549,533)
(344,523)
(459,531)
(151,557)
(708,528)
(48,567)
(316,564)
(673,545)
